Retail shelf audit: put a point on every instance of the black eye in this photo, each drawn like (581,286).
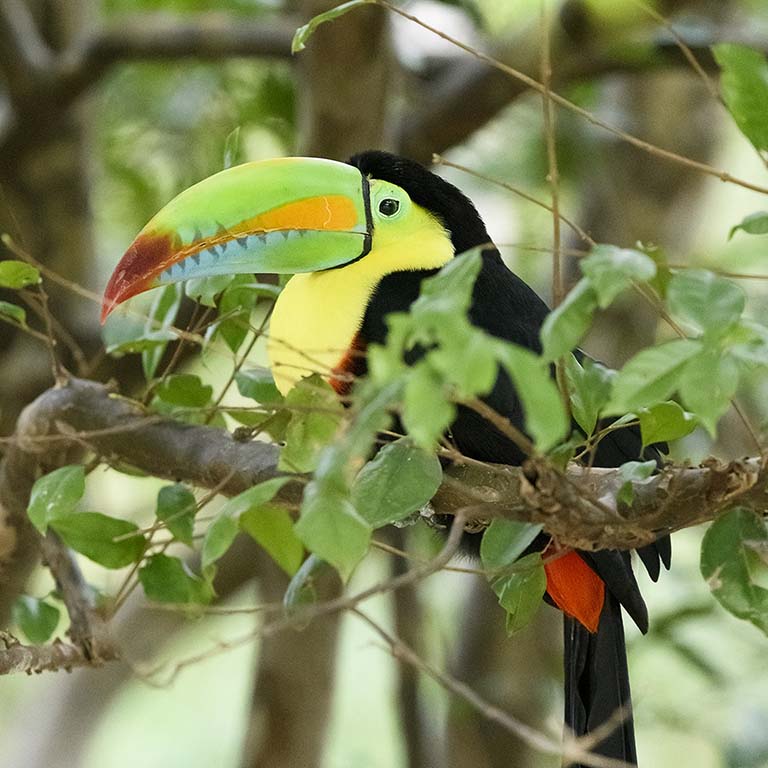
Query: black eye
(389,207)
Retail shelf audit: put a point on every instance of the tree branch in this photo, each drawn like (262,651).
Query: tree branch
(578,507)
(46,658)
(24,56)
(61,81)
(467,94)
(207,36)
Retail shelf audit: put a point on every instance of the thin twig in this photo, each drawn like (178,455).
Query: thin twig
(440,160)
(561,101)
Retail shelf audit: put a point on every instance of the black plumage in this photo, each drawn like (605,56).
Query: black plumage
(596,677)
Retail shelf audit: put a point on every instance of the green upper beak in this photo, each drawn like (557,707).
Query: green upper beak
(284,216)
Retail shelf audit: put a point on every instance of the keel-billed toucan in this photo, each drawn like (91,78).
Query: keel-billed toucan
(359,238)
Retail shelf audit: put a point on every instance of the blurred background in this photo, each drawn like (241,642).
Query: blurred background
(144,98)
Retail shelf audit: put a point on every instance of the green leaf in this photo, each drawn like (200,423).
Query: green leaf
(466,358)
(232,154)
(611,270)
(632,472)
(520,591)
(744,85)
(235,306)
(222,531)
(315,418)
(107,541)
(589,387)
(400,480)
(754,224)
(56,494)
(120,340)
(748,342)
(301,589)
(167,579)
(161,317)
(306,31)
(17,274)
(36,618)
(184,389)
(734,563)
(218,539)
(707,385)
(259,385)
(205,289)
(177,507)
(14,311)
(567,325)
(545,418)
(330,527)
(427,411)
(504,541)
(253,497)
(709,302)
(664,422)
(271,526)
(651,376)
(449,292)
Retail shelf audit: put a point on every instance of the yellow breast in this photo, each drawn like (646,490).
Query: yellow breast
(318,314)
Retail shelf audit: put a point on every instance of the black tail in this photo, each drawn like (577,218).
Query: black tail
(597,682)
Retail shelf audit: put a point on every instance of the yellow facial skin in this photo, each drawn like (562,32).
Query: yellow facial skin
(318,314)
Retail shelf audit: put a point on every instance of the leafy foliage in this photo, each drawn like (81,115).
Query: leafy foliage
(433,363)
(167,579)
(734,561)
(401,479)
(108,541)
(744,85)
(303,33)
(17,274)
(14,312)
(754,224)
(176,507)
(589,384)
(518,582)
(664,422)
(36,618)
(55,495)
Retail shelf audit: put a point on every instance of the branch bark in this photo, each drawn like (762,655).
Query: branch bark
(578,506)
(208,36)
(47,658)
(24,56)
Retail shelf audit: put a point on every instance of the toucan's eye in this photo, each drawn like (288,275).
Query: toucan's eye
(389,207)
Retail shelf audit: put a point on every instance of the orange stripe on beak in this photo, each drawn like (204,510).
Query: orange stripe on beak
(329,212)
(151,253)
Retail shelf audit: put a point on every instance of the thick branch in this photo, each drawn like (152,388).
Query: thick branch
(208,36)
(47,658)
(578,507)
(86,413)
(24,56)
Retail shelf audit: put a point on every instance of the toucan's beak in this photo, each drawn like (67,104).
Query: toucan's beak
(287,215)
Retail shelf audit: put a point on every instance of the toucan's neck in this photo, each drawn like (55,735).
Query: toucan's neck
(318,315)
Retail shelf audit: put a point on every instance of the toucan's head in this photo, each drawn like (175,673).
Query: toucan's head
(295,215)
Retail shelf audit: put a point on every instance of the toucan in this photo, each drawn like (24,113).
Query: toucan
(359,238)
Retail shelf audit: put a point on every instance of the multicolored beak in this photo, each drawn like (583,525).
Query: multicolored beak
(275,216)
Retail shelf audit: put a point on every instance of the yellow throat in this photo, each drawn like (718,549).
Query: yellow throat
(317,315)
